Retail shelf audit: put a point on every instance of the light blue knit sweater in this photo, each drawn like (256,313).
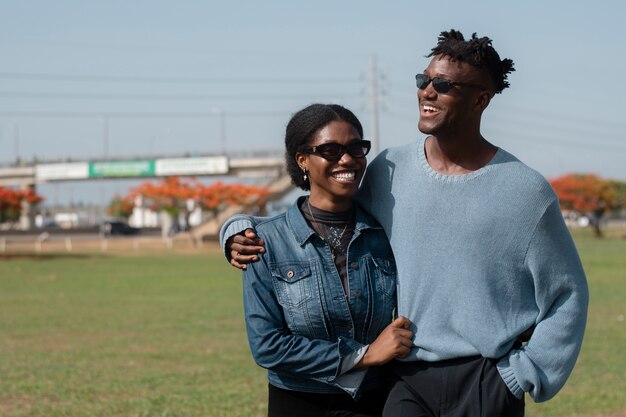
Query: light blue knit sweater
(481,258)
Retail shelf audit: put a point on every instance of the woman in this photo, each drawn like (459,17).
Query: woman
(319,303)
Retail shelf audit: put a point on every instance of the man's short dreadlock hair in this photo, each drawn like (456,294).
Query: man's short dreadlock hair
(477,52)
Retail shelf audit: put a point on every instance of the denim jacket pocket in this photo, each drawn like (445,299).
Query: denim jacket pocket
(296,286)
(383,274)
(386,274)
(291,282)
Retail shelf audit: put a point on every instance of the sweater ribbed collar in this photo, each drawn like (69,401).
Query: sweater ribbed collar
(423,163)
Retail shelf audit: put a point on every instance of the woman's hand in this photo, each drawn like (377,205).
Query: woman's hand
(394,342)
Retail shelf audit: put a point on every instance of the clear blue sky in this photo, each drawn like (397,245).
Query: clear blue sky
(64,63)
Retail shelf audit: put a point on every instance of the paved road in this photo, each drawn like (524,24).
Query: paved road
(62,235)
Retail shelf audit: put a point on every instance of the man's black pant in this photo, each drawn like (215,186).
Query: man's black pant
(465,387)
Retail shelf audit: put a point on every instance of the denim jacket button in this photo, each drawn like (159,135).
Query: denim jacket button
(357,293)
(354,265)
(290,274)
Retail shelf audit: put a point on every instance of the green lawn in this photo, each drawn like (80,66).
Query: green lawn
(598,384)
(161,334)
(158,335)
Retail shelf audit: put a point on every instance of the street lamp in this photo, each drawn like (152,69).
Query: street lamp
(220,113)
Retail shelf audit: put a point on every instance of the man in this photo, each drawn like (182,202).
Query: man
(487,270)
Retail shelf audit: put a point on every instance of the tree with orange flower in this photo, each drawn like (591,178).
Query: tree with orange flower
(175,196)
(121,207)
(589,194)
(169,195)
(12,202)
(218,195)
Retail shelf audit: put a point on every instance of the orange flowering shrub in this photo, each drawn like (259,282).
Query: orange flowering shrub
(218,195)
(121,207)
(11,202)
(585,193)
(171,194)
(589,194)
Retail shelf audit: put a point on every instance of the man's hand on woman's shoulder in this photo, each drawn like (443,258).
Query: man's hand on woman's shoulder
(244,248)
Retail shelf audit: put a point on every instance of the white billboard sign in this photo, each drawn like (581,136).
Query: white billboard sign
(68,171)
(192,166)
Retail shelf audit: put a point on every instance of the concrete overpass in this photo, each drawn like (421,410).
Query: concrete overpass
(269,167)
(199,166)
(22,176)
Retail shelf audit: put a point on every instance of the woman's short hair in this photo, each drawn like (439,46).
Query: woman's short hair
(301,128)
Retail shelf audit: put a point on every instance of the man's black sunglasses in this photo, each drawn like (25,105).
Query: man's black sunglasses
(441,85)
(333,151)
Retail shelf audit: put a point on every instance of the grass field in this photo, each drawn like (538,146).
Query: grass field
(160,333)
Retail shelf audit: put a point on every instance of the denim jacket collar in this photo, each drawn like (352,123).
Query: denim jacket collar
(302,231)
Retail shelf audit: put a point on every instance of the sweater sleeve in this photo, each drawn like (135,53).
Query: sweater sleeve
(274,347)
(542,366)
(234,225)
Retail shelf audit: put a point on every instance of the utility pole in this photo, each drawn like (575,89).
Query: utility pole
(374,105)
(105,137)
(222,125)
(222,131)
(17,143)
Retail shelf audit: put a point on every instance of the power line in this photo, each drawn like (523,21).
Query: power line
(547,139)
(561,127)
(103,96)
(533,115)
(172,80)
(126,115)
(539,132)
(565,118)
(550,123)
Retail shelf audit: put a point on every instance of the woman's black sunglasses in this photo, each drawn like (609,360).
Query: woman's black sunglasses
(333,151)
(441,85)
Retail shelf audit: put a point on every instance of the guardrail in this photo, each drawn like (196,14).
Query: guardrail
(48,244)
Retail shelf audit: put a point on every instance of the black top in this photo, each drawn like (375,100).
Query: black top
(334,228)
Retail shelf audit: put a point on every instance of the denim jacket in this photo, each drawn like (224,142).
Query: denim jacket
(299,321)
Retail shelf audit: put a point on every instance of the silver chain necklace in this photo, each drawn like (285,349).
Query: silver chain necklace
(318,229)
